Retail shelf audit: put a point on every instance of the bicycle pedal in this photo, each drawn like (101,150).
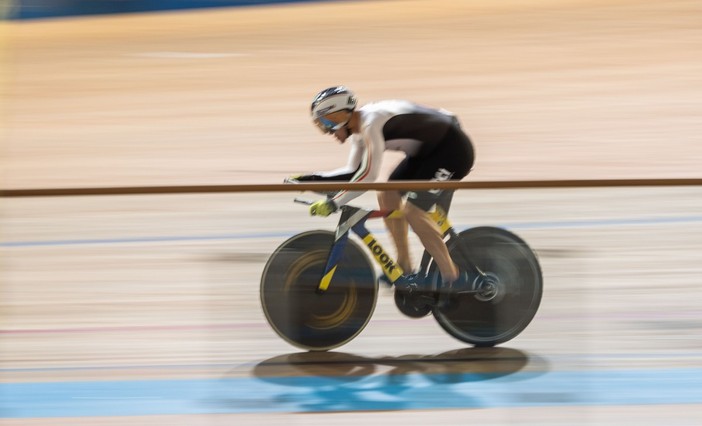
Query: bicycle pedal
(404,283)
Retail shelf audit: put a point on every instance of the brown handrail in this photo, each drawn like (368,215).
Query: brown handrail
(334,186)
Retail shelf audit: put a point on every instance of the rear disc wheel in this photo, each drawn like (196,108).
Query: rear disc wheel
(507,296)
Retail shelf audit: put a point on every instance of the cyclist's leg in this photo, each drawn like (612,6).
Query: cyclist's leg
(430,236)
(398,228)
(451,161)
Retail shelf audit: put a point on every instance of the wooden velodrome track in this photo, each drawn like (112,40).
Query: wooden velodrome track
(144,309)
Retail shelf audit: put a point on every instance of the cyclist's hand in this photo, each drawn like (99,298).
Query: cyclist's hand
(302,178)
(323,208)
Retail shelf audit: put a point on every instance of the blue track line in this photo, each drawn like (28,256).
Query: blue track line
(373,392)
(281,234)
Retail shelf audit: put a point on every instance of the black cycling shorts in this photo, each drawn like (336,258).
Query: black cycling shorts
(452,159)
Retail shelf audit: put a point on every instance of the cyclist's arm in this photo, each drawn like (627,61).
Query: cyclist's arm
(345,173)
(371,159)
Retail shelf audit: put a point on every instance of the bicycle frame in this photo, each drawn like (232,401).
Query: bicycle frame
(497,294)
(353,219)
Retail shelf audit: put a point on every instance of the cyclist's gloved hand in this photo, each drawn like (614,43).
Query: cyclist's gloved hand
(303,178)
(323,208)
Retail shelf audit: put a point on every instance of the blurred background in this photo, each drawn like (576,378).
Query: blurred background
(113,308)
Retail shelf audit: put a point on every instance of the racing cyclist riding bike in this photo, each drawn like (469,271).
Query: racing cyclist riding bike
(436,149)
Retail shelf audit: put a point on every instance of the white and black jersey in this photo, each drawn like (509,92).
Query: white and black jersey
(431,139)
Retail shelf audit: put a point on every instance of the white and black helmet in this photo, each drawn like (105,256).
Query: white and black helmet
(330,100)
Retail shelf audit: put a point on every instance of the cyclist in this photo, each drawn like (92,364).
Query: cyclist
(435,146)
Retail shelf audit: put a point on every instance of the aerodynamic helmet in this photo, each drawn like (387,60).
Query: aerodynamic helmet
(330,100)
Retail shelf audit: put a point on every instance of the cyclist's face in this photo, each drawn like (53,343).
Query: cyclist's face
(334,123)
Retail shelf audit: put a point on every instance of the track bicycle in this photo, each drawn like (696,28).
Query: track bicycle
(319,289)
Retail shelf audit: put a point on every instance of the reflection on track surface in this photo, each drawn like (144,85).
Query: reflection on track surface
(323,382)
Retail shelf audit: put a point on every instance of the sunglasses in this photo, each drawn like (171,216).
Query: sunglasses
(327,126)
